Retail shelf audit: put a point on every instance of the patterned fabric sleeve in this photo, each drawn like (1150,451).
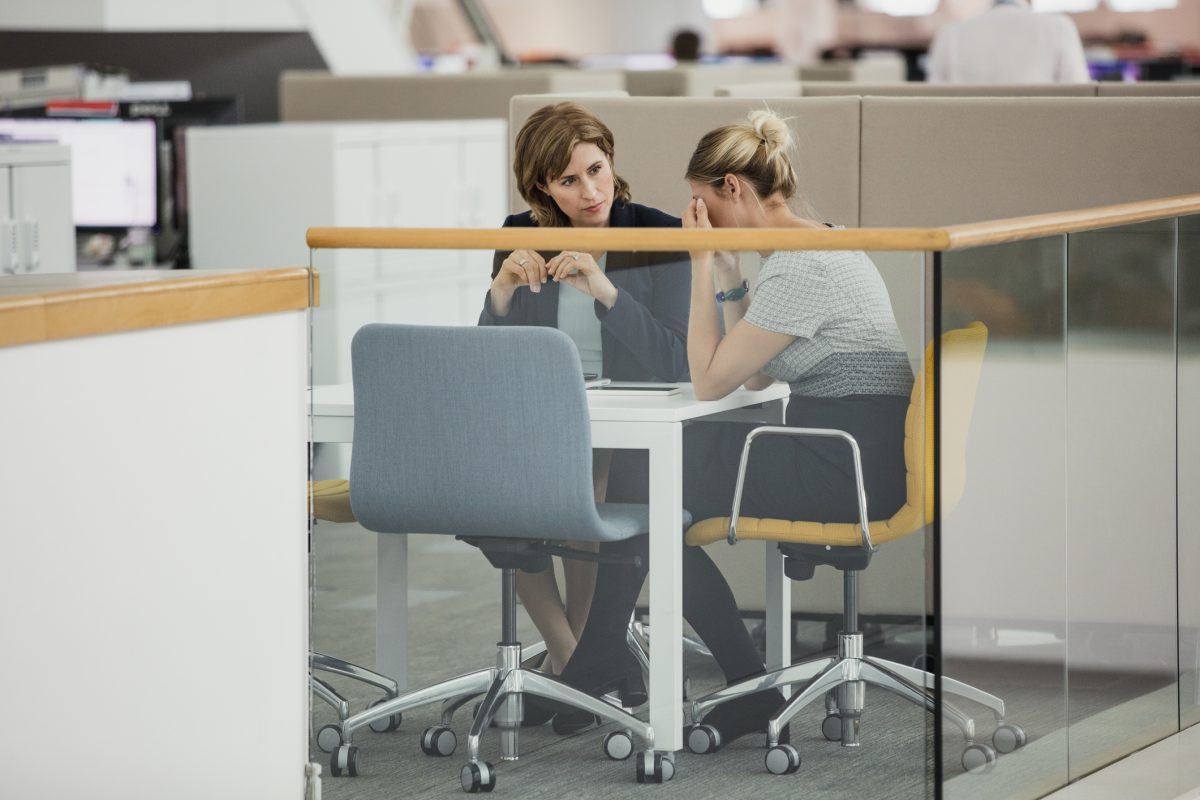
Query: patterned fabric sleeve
(792,297)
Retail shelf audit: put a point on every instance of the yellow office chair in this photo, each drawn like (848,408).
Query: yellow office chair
(331,502)
(848,546)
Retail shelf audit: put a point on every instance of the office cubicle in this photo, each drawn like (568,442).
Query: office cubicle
(1063,574)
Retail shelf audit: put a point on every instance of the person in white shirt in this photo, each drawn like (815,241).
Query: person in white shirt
(1009,43)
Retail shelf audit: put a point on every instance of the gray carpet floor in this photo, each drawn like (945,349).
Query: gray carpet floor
(454,623)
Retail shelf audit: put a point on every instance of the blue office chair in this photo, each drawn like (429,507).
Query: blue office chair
(445,417)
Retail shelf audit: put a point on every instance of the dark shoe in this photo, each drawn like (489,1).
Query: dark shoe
(747,714)
(622,675)
(535,662)
(537,711)
(631,691)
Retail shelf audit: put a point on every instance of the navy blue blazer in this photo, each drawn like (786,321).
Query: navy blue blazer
(644,335)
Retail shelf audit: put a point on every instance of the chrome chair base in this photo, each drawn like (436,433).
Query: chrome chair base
(842,680)
(336,666)
(503,689)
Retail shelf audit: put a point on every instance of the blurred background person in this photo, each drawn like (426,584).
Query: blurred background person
(685,45)
(1008,43)
(804,28)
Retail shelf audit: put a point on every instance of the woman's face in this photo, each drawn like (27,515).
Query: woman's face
(718,205)
(584,191)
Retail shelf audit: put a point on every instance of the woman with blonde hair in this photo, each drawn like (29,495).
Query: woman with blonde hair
(626,313)
(820,320)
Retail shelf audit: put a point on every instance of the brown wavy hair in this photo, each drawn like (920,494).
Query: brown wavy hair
(543,151)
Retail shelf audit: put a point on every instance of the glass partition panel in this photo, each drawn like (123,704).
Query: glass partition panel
(423,607)
(1188,404)
(1121,532)
(1003,530)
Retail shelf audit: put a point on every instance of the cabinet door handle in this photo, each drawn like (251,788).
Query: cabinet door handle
(32,251)
(8,247)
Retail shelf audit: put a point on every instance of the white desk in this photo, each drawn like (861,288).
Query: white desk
(654,424)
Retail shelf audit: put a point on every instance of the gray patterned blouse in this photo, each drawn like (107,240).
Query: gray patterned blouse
(836,304)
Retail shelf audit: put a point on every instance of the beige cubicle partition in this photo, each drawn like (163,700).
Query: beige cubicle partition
(655,137)
(316,95)
(1149,89)
(699,80)
(827,88)
(770,89)
(921,89)
(882,69)
(958,160)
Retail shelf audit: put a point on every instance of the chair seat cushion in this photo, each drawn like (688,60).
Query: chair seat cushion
(629,519)
(837,534)
(331,500)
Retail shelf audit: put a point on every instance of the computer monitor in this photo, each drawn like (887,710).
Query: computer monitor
(174,118)
(114,167)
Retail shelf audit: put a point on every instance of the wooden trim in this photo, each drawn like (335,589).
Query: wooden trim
(953,237)
(977,234)
(631,239)
(86,304)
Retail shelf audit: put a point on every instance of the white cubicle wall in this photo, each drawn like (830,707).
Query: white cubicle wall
(254,190)
(153,591)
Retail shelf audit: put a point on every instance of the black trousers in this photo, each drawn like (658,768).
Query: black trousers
(787,478)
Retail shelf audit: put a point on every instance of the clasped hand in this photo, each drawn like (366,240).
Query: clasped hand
(572,267)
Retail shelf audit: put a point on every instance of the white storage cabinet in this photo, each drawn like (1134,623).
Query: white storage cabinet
(37,233)
(253,190)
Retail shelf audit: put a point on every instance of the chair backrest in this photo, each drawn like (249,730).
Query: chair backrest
(471,431)
(962,361)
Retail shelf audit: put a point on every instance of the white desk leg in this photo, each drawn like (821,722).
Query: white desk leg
(665,442)
(778,604)
(778,610)
(391,607)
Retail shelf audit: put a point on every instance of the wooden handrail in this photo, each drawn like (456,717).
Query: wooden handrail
(627,239)
(953,237)
(41,307)
(976,234)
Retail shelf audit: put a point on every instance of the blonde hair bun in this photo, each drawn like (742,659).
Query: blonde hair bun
(771,130)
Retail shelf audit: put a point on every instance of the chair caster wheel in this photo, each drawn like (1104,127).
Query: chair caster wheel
(438,741)
(782,759)
(831,728)
(329,738)
(978,759)
(654,767)
(384,724)
(1008,738)
(618,745)
(344,761)
(703,739)
(478,776)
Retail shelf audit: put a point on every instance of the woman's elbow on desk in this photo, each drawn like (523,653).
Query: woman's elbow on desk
(758,382)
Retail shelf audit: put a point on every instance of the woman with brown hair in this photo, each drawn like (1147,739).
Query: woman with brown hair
(626,312)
